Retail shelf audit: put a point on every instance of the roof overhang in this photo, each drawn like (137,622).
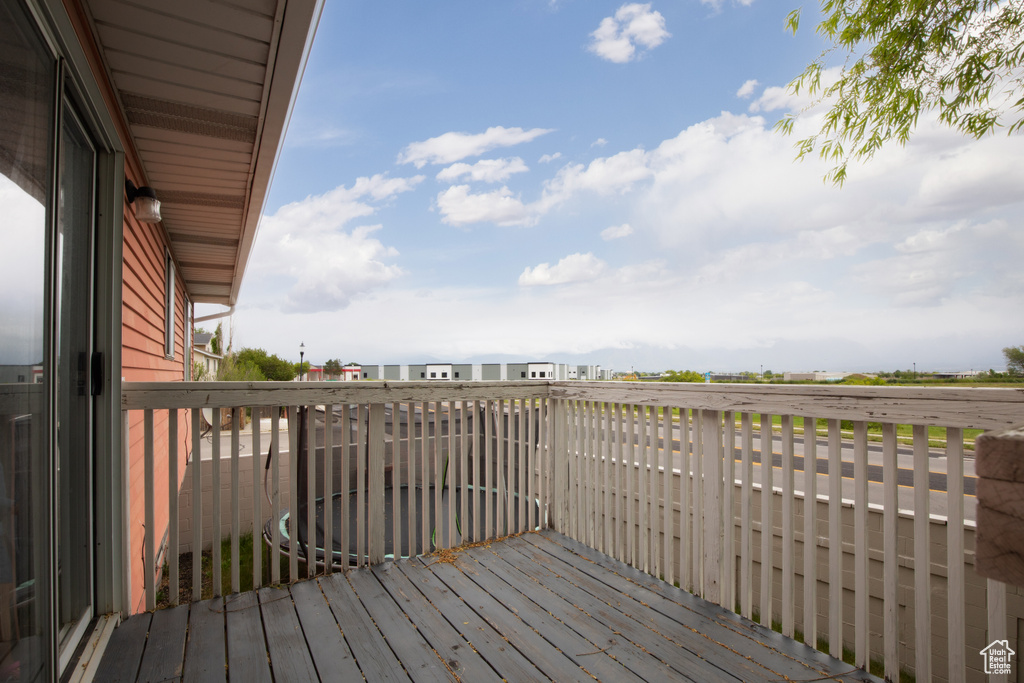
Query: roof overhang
(206,90)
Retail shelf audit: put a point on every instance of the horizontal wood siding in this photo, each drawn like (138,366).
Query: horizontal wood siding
(142,360)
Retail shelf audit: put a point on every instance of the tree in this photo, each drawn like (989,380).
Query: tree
(681,376)
(1014,359)
(905,57)
(332,367)
(234,368)
(215,340)
(273,368)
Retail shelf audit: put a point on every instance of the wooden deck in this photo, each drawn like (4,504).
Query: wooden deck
(535,607)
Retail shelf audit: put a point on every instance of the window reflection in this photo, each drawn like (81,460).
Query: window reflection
(27,81)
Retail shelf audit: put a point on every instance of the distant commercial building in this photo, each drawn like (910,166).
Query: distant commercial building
(815,376)
(482,372)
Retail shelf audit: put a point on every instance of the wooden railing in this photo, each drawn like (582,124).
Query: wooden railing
(665,477)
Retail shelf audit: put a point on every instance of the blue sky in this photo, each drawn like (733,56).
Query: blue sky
(599,182)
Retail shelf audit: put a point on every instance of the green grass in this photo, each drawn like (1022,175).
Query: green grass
(244,570)
(876,666)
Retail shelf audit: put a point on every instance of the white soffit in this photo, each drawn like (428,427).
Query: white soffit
(206,87)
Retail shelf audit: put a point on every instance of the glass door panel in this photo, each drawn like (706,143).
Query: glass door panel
(27,83)
(74,400)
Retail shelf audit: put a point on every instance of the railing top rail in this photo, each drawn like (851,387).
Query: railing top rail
(155,395)
(969,408)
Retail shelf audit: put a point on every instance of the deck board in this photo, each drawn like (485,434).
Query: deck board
(124,651)
(247,649)
(477,632)
(289,654)
(205,651)
(331,654)
(375,658)
(165,646)
(533,607)
(449,644)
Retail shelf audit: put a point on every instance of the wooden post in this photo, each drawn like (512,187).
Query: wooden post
(257,501)
(712,442)
(172,505)
(150,552)
(376,483)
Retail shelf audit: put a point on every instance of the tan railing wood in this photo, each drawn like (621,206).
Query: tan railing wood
(598,462)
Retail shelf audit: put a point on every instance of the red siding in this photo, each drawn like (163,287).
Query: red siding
(143,360)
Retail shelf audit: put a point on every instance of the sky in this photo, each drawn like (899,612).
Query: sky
(581,181)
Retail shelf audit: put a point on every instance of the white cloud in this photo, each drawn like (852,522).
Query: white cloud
(634,26)
(615,232)
(459,206)
(572,268)
(452,146)
(600,142)
(547,158)
(306,260)
(717,4)
(747,89)
(485,170)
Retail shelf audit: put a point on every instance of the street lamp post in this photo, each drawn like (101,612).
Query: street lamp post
(302,352)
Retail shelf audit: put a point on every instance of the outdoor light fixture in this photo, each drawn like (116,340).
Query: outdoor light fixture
(302,352)
(144,202)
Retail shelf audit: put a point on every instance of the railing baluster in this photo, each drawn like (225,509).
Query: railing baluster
(215,464)
(728,513)
(437,541)
(559,467)
(488,474)
(653,500)
(591,473)
(835,539)
(530,471)
(572,455)
(668,481)
(463,473)
(685,537)
(363,413)
(235,521)
(476,408)
(810,531)
(520,467)
(150,553)
(577,472)
(311,491)
(746,516)
(275,494)
(604,448)
(712,445)
(500,477)
(788,544)
(376,483)
(197,507)
(172,505)
(630,476)
(644,484)
(890,536)
(620,482)
(698,501)
(346,485)
(293,494)
(257,500)
(424,486)
(329,489)
(996,602)
(450,469)
(955,594)
(922,558)
(862,651)
(767,518)
(511,478)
